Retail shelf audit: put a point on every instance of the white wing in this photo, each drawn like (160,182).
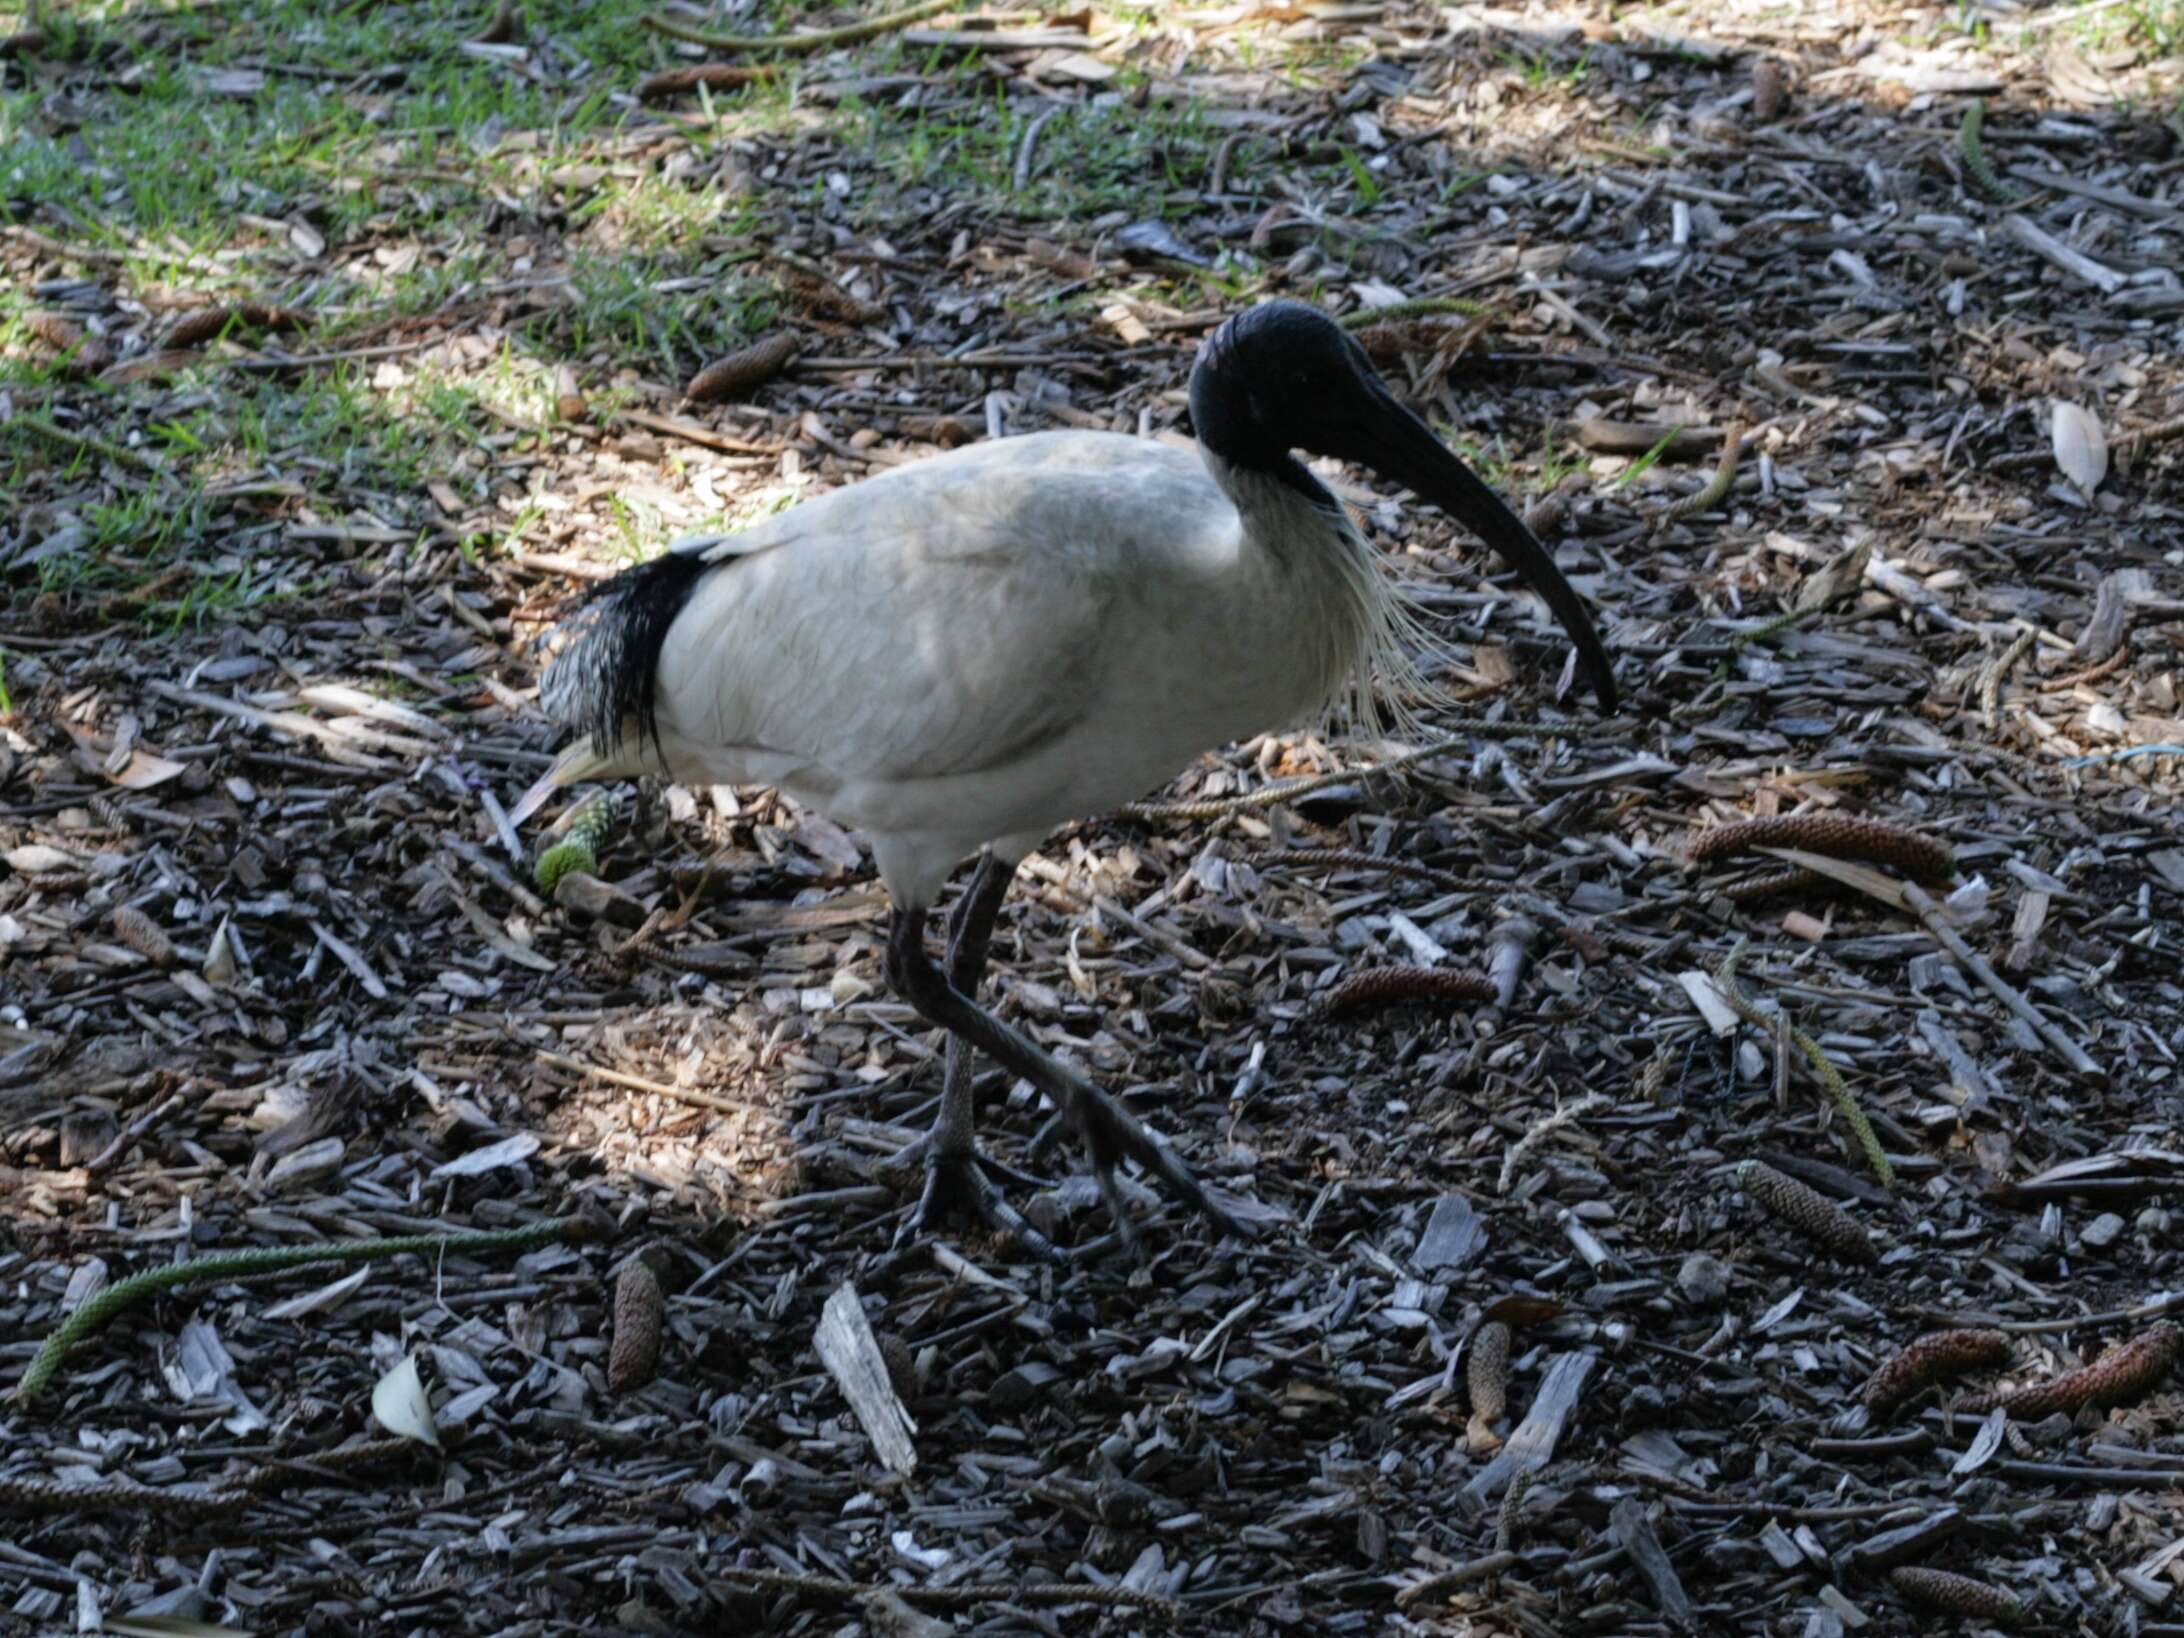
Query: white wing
(939,619)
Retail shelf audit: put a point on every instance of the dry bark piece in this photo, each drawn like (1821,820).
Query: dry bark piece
(1487,1376)
(680,82)
(1954,1594)
(56,330)
(1930,1358)
(1807,1210)
(2126,1372)
(143,935)
(1768,91)
(742,369)
(208,322)
(638,1311)
(1838,836)
(1384,986)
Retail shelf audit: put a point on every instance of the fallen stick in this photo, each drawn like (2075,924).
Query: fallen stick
(1921,904)
(819,40)
(1909,896)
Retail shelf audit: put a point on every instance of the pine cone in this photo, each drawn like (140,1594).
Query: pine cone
(1820,1218)
(1383,986)
(1954,1594)
(2125,1372)
(1838,836)
(207,323)
(746,367)
(638,1311)
(1767,90)
(142,934)
(1928,1359)
(824,299)
(1487,1375)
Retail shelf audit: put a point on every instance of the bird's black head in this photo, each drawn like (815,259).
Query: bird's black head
(1284,376)
(1278,377)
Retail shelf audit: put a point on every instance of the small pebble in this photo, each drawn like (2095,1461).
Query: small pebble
(1704,1279)
(2103,1232)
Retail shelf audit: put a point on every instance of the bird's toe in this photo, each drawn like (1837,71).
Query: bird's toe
(1111,1135)
(957,1184)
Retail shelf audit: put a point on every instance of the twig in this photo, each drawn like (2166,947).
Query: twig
(1539,1134)
(115,1300)
(820,40)
(1921,905)
(637,1083)
(1270,795)
(1021,175)
(1038,1594)
(87,440)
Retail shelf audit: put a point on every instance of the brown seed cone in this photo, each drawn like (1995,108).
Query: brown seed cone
(638,1310)
(1928,1359)
(746,367)
(1818,1217)
(2125,1372)
(142,934)
(1794,879)
(677,82)
(1383,986)
(1838,836)
(824,299)
(1768,93)
(208,322)
(1487,1375)
(1954,1594)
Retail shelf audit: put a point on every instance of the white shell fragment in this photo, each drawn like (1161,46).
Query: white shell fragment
(2081,448)
(398,1401)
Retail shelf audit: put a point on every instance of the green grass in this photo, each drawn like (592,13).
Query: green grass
(355,161)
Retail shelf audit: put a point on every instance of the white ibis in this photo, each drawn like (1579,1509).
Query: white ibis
(959,655)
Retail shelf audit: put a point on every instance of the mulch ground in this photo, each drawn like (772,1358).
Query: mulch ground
(273,970)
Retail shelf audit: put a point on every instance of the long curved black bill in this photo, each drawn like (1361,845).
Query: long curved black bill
(1411,455)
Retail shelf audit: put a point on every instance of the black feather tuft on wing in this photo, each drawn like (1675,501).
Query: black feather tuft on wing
(608,670)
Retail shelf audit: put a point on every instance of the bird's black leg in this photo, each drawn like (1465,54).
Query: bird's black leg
(956,1172)
(1109,1132)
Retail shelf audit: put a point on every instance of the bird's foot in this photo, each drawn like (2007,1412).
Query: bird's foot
(957,1181)
(1111,1135)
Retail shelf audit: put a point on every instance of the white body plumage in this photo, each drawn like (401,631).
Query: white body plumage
(975,648)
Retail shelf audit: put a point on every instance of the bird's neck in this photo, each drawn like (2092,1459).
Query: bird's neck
(1287,513)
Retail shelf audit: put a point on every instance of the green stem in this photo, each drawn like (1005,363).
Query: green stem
(1725,979)
(115,1300)
(823,39)
(1975,157)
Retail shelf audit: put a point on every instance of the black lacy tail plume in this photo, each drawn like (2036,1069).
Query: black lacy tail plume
(608,672)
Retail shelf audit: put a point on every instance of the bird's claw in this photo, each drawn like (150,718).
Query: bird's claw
(1111,1134)
(956,1180)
